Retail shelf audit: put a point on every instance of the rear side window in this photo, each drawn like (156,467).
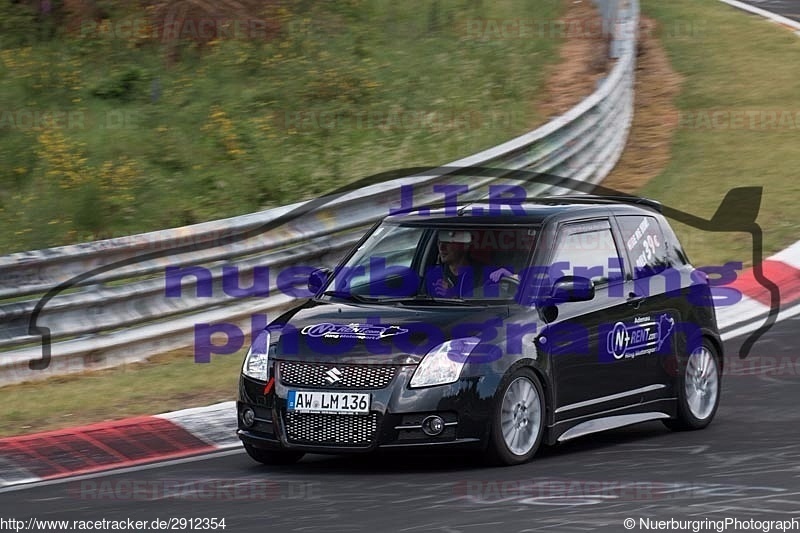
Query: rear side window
(645,244)
(587,250)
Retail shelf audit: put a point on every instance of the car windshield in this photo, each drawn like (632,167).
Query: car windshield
(435,263)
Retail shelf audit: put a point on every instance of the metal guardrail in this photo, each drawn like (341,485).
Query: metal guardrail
(115,309)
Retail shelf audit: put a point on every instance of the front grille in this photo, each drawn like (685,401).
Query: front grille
(327,429)
(322,375)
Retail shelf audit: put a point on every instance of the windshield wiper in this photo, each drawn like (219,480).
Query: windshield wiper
(417,299)
(461,301)
(425,298)
(344,295)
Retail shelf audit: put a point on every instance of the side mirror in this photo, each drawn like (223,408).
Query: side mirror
(317,279)
(572,289)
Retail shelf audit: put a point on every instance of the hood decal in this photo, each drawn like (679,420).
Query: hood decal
(352,331)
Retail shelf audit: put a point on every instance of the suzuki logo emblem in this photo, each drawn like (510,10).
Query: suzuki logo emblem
(333,375)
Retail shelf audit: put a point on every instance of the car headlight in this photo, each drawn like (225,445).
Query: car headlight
(443,363)
(256,362)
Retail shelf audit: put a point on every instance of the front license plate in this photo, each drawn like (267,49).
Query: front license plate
(340,403)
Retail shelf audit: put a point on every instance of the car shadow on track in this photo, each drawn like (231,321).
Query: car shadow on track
(418,461)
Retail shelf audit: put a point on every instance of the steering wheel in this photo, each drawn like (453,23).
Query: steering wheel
(508,286)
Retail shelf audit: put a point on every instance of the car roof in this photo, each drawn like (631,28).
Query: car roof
(536,211)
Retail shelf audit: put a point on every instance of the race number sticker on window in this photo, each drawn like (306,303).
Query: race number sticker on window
(644,241)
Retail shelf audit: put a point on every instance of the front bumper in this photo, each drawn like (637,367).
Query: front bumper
(394,421)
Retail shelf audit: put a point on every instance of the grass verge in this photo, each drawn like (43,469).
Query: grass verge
(738,125)
(166,382)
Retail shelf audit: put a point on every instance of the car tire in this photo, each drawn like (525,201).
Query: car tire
(699,385)
(273,457)
(518,419)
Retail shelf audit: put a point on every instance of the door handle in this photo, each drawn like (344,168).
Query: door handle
(635,299)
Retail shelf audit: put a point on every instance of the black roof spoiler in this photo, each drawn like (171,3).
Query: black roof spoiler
(589,198)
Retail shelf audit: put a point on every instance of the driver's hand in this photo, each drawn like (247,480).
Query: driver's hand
(500,273)
(441,287)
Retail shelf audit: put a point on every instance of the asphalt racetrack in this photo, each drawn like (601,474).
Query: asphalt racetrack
(787,8)
(745,465)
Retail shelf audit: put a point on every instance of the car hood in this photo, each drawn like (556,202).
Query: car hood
(378,334)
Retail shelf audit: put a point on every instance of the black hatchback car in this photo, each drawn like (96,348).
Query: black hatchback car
(486,328)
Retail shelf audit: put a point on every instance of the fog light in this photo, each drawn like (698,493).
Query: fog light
(248,417)
(433,425)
